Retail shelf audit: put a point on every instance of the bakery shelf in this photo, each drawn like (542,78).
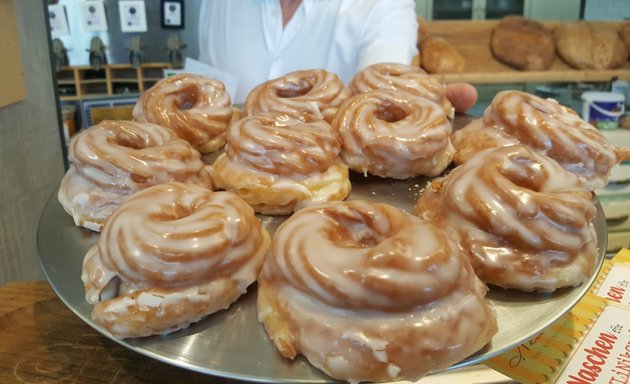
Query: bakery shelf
(471,38)
(124,73)
(112,79)
(65,74)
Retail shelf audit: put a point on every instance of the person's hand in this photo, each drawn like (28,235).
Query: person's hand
(461,95)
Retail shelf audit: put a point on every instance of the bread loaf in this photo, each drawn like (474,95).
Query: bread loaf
(437,55)
(625,37)
(583,45)
(522,44)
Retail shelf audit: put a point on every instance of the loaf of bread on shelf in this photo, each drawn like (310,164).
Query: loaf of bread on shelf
(437,55)
(522,44)
(625,36)
(584,45)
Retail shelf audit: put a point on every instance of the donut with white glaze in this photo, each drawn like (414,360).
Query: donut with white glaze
(280,163)
(112,160)
(197,108)
(171,255)
(396,135)
(524,221)
(367,292)
(402,78)
(546,127)
(315,92)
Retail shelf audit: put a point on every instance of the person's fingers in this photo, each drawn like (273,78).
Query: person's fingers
(461,95)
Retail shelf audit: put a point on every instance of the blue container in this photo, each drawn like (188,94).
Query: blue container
(603,109)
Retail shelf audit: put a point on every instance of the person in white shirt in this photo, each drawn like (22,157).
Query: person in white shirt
(258,40)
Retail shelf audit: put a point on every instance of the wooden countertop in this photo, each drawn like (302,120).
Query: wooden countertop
(471,38)
(43,342)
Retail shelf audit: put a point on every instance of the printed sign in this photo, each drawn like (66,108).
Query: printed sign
(588,345)
(604,355)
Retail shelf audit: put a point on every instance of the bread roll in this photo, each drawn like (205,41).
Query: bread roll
(625,37)
(437,55)
(585,46)
(522,44)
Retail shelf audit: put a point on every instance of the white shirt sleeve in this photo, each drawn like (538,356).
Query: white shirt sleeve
(389,34)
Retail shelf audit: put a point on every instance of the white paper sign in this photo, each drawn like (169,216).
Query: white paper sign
(93,18)
(173,15)
(604,354)
(58,20)
(616,286)
(133,17)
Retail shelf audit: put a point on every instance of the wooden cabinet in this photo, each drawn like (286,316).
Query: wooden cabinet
(75,83)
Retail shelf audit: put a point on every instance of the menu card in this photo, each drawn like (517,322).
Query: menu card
(590,344)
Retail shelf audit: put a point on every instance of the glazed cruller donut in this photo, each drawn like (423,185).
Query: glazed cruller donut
(394,134)
(198,109)
(315,92)
(546,127)
(171,255)
(367,292)
(279,163)
(112,160)
(524,221)
(402,78)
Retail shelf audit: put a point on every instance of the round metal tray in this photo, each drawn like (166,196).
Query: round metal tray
(233,344)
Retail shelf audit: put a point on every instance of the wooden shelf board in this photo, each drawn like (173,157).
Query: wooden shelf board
(85,68)
(550,76)
(124,80)
(99,95)
(94,81)
(121,66)
(471,38)
(156,65)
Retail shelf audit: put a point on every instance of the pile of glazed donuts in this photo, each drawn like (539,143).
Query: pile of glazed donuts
(364,290)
